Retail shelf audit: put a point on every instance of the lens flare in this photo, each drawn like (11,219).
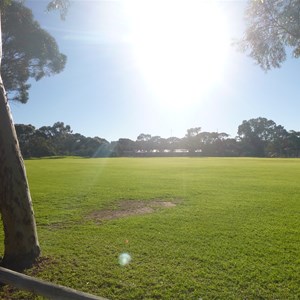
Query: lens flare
(124,259)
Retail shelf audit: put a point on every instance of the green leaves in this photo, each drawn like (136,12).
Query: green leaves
(61,5)
(271,28)
(28,51)
(4,3)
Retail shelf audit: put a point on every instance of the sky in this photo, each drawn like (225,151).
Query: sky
(155,68)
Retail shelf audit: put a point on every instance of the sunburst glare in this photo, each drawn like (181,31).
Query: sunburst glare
(180,47)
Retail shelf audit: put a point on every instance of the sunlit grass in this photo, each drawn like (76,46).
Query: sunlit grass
(234,234)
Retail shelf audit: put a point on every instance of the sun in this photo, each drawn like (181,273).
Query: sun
(180,47)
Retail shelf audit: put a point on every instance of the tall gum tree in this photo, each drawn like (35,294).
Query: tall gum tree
(21,245)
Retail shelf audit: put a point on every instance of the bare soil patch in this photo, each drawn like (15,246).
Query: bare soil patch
(131,208)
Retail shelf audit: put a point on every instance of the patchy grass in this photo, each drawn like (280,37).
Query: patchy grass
(129,208)
(233,234)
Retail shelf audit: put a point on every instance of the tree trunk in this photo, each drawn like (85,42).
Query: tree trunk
(20,235)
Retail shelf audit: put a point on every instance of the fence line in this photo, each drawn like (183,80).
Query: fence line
(43,288)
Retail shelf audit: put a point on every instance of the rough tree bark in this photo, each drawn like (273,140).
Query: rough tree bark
(20,235)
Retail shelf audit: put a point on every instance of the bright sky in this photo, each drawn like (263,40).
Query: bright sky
(157,67)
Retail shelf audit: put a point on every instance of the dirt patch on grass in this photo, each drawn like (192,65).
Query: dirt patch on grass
(41,264)
(128,208)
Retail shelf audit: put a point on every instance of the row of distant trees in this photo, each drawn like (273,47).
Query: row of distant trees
(258,137)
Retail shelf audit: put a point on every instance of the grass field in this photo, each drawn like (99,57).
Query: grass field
(233,234)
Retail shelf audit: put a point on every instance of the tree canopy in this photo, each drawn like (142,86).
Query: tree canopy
(272,30)
(28,51)
(256,137)
(61,5)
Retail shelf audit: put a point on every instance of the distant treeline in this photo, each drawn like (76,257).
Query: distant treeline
(258,137)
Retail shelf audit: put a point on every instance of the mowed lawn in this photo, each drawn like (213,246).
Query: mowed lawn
(233,234)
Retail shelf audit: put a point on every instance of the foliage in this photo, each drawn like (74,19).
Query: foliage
(234,233)
(28,51)
(272,26)
(255,134)
(57,140)
(61,5)
(192,139)
(256,137)
(4,3)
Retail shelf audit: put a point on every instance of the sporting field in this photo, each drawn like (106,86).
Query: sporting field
(195,228)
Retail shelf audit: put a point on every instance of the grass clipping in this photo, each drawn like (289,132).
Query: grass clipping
(128,208)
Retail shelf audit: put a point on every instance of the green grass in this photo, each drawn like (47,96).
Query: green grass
(235,233)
